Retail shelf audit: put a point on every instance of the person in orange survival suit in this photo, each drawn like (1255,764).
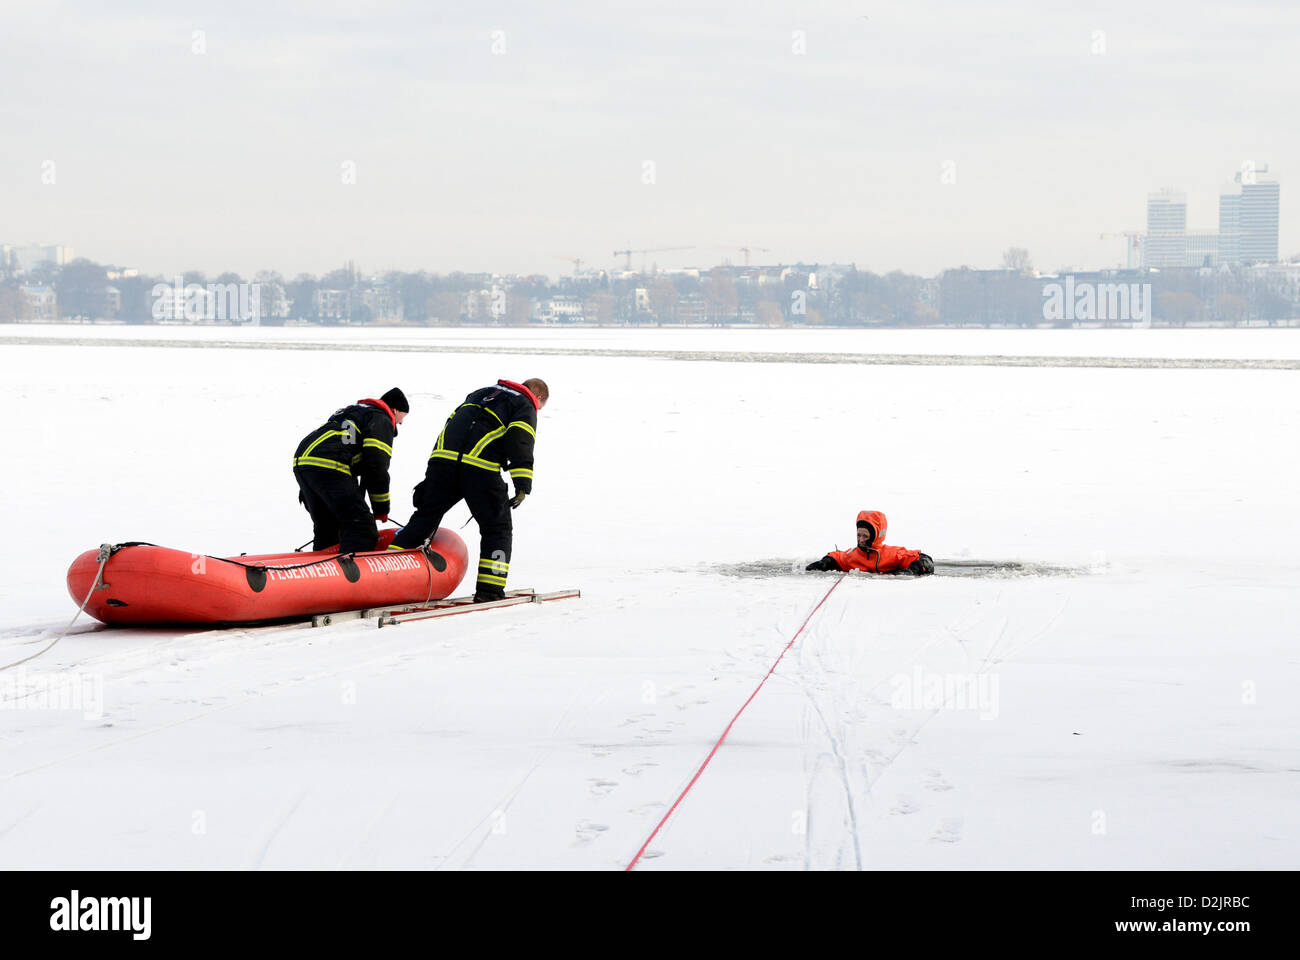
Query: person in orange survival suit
(873,554)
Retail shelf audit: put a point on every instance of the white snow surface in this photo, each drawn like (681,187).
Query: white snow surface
(1139,712)
(1256,343)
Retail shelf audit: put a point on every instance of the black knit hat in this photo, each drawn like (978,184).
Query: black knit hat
(863,523)
(397,400)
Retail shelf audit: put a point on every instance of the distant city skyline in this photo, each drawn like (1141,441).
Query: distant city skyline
(510,138)
(1247,232)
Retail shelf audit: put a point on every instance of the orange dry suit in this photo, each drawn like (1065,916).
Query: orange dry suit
(879,557)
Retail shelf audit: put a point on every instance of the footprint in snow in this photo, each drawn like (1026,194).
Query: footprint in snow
(599,788)
(587,832)
(648,808)
(904,805)
(948,831)
(638,768)
(934,781)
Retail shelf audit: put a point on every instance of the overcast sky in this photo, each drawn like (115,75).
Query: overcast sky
(473,158)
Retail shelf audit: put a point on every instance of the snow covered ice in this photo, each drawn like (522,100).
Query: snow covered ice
(1128,703)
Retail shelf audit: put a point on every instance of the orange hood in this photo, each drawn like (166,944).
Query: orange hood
(877,521)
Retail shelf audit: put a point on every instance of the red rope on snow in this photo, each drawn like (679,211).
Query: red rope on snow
(718,745)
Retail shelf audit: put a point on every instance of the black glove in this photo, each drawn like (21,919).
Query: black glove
(517,499)
(825,563)
(922,567)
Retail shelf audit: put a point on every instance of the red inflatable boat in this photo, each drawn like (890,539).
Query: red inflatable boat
(143,583)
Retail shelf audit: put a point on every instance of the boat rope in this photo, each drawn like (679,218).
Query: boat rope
(313,540)
(718,745)
(310,563)
(106,550)
(296,566)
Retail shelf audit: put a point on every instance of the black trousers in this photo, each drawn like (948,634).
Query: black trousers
(338,510)
(445,484)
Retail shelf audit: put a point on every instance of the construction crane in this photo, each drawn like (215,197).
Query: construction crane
(744,250)
(576,261)
(628,254)
(1134,243)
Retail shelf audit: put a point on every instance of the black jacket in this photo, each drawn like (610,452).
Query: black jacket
(356,441)
(494,429)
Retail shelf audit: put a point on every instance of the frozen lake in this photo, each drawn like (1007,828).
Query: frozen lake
(1132,696)
(1209,344)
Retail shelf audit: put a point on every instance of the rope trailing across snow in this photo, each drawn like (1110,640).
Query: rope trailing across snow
(718,745)
(106,550)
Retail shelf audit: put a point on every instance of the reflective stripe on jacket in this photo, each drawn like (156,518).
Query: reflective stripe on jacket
(357,440)
(494,429)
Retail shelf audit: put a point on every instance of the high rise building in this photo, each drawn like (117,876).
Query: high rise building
(1259,219)
(1166,243)
(1202,249)
(1229,228)
(28,257)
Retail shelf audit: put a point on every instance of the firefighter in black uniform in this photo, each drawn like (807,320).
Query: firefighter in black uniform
(493,430)
(342,460)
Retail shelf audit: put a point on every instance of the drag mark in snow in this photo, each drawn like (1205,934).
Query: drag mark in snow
(659,826)
(4,830)
(838,755)
(712,356)
(495,819)
(365,834)
(275,831)
(249,697)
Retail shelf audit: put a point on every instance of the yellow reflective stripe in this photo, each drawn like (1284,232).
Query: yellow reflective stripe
(518,472)
(321,439)
(453,456)
(393,546)
(322,462)
(526,427)
(381,497)
(378,445)
(356,459)
(440,445)
(495,566)
(486,439)
(495,581)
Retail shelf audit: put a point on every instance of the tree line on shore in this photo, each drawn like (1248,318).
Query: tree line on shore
(766,296)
